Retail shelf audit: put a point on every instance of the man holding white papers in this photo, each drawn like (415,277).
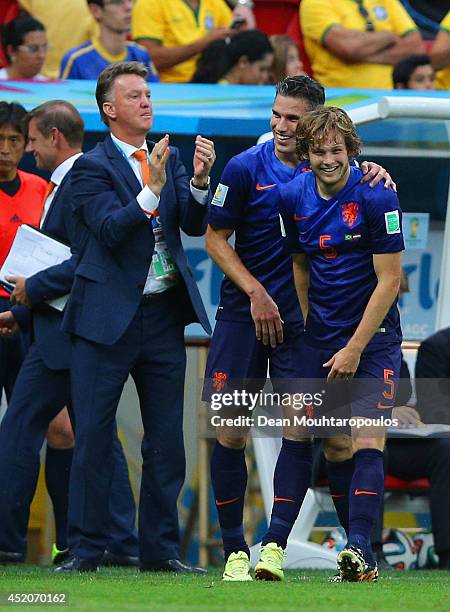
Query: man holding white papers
(55,135)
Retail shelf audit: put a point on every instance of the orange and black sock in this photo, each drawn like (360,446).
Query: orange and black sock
(229,481)
(291,480)
(366,490)
(340,474)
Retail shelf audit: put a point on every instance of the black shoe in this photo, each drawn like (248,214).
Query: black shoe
(11,557)
(444,560)
(171,565)
(110,559)
(78,564)
(354,567)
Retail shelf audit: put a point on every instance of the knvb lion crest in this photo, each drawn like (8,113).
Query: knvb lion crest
(309,411)
(219,380)
(350,213)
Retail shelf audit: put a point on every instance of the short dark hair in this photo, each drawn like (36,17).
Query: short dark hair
(13,114)
(303,87)
(107,78)
(61,115)
(14,32)
(403,70)
(320,123)
(97,2)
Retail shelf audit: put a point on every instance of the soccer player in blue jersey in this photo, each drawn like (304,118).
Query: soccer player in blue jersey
(90,59)
(346,241)
(258,295)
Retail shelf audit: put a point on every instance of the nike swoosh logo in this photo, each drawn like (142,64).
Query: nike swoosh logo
(380,405)
(262,187)
(228,501)
(358,492)
(283,499)
(297,218)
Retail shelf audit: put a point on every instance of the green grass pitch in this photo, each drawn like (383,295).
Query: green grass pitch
(117,589)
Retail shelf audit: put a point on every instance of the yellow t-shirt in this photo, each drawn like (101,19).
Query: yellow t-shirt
(443,76)
(319,16)
(175,23)
(68,23)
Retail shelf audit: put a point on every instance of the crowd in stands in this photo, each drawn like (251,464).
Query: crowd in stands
(345,44)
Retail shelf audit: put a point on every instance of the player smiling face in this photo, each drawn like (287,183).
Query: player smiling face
(286,114)
(330,162)
(327,137)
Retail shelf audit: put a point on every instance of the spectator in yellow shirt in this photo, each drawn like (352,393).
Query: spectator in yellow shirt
(174,32)
(355,43)
(440,54)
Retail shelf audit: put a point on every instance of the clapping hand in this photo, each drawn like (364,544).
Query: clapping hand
(157,165)
(204,158)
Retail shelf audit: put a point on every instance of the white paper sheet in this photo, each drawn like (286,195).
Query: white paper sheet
(31,252)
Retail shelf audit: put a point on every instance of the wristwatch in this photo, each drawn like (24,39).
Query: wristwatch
(249,3)
(203,187)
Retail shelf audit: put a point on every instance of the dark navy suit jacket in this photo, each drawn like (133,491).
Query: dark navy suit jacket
(52,343)
(115,242)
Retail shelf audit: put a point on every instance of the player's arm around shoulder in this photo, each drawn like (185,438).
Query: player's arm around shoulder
(95,201)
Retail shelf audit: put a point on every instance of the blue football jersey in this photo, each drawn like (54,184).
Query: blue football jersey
(340,237)
(246,202)
(90,59)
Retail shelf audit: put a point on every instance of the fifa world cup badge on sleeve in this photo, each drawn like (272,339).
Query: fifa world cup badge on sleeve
(392,221)
(220,195)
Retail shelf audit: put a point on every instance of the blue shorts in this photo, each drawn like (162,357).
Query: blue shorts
(372,391)
(235,355)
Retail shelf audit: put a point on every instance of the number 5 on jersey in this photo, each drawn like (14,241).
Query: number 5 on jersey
(328,251)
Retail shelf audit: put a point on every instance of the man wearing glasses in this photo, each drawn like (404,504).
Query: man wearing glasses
(88,60)
(355,43)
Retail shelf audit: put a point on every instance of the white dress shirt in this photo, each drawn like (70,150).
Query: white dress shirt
(57,176)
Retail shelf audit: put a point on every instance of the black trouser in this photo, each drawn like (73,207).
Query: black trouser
(413,458)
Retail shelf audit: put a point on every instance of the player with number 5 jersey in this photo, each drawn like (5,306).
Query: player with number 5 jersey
(346,241)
